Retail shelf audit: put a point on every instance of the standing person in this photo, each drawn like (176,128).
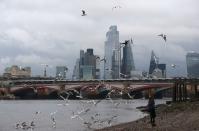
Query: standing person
(151,109)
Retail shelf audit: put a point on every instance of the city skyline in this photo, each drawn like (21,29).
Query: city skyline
(37,32)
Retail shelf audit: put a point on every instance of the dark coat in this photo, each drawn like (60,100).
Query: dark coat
(151,107)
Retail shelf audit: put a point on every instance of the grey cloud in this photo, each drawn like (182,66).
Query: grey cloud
(53,31)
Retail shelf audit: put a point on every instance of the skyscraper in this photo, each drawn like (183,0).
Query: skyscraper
(81,63)
(97,67)
(192,59)
(153,62)
(127,61)
(87,65)
(76,71)
(156,69)
(112,53)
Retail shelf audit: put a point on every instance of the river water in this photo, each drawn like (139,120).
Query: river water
(72,115)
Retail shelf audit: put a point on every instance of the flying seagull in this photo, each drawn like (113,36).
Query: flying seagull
(126,42)
(163,36)
(104,59)
(97,57)
(115,7)
(83,13)
(173,65)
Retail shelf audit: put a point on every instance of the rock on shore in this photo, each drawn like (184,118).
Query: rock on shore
(175,117)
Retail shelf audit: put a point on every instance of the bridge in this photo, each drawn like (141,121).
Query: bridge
(180,86)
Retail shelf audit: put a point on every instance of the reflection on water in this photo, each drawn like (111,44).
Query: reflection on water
(76,115)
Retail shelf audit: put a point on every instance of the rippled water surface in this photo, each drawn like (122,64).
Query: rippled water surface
(90,117)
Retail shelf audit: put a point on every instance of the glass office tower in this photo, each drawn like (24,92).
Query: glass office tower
(112,53)
(192,60)
(127,61)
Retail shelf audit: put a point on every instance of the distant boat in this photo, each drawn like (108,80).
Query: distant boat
(94,91)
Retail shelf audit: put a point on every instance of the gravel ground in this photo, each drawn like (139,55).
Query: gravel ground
(175,117)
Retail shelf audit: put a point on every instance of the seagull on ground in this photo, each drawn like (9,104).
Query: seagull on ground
(163,36)
(83,13)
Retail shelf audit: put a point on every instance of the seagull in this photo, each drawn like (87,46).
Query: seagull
(121,93)
(116,104)
(17,126)
(97,114)
(83,13)
(115,7)
(32,124)
(83,111)
(54,122)
(163,36)
(95,103)
(65,99)
(88,124)
(108,97)
(52,116)
(104,59)
(76,116)
(24,126)
(97,57)
(79,96)
(173,65)
(131,97)
(37,112)
(108,120)
(126,42)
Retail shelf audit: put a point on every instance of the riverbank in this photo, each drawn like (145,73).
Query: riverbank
(174,117)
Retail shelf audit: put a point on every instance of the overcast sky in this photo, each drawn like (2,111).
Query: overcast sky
(33,32)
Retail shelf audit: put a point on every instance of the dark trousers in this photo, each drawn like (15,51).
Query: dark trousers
(152,116)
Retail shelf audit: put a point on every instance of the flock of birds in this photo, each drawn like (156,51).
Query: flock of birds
(163,36)
(27,125)
(91,123)
(78,115)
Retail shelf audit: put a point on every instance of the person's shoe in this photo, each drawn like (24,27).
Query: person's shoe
(153,124)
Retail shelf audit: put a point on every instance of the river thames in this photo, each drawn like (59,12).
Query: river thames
(72,115)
